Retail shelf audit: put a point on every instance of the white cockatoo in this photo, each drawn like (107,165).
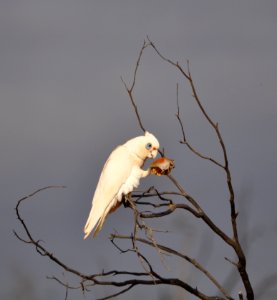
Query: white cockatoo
(120,175)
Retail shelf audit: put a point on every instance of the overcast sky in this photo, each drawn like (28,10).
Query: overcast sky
(64,108)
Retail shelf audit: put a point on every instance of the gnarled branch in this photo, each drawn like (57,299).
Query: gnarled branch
(142,233)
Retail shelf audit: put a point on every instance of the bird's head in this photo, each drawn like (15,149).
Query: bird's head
(144,146)
(151,145)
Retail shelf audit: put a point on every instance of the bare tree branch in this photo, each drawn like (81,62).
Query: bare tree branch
(142,234)
(95,279)
(235,241)
(118,293)
(184,139)
(130,90)
(176,253)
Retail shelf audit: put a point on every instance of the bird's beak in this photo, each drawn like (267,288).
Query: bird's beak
(154,152)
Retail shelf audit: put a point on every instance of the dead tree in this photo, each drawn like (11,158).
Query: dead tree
(164,204)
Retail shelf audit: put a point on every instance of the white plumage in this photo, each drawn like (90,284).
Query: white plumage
(120,175)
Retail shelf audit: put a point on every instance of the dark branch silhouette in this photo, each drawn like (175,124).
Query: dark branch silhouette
(159,204)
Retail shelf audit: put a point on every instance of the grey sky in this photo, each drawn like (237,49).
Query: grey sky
(64,108)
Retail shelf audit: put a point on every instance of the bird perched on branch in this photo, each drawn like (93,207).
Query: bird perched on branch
(120,175)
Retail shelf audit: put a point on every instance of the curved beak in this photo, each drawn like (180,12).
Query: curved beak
(153,152)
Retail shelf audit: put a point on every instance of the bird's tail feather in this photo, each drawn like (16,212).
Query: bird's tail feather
(91,221)
(99,225)
(96,220)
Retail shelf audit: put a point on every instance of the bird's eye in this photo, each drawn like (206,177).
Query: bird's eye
(148,146)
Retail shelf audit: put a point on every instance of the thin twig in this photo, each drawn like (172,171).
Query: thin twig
(184,138)
(94,278)
(187,258)
(130,90)
(118,293)
(236,243)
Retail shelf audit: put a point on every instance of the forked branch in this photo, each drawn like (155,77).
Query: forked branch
(87,281)
(235,240)
(143,234)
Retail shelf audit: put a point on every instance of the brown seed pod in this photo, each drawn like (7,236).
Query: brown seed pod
(162,166)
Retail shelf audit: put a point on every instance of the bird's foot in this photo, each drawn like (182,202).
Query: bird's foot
(126,201)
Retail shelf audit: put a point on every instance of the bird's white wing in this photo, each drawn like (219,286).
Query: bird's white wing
(115,173)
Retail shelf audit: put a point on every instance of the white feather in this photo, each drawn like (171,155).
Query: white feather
(120,175)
